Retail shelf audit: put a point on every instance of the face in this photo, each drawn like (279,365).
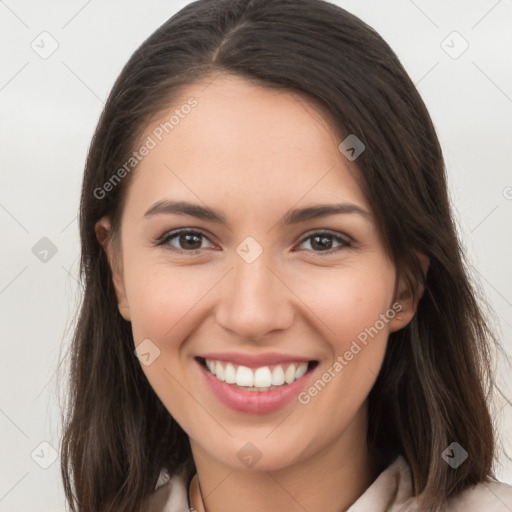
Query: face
(226,266)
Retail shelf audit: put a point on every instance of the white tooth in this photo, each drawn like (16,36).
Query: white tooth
(289,374)
(244,376)
(278,376)
(230,374)
(211,366)
(262,377)
(219,371)
(301,370)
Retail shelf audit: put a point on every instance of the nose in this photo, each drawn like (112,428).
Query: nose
(254,300)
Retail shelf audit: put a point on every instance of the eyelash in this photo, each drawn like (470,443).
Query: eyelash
(345,242)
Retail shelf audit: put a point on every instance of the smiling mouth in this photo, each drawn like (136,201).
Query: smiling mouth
(263,378)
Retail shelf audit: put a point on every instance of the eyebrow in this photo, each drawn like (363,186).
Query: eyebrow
(291,217)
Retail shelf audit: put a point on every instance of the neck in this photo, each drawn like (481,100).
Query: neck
(329,481)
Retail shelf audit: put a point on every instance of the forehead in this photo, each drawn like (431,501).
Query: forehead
(245,144)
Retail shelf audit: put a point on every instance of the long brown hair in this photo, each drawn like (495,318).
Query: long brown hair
(433,387)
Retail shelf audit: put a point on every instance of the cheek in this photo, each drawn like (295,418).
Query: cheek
(162,299)
(356,305)
(349,301)
(163,302)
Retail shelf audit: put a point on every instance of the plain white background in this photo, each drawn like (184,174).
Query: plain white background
(50,106)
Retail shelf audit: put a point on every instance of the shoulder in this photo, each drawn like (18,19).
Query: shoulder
(171,495)
(491,496)
(394,488)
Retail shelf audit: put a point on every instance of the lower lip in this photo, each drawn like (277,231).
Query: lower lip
(254,402)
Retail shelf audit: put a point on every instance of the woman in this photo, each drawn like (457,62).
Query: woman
(276,314)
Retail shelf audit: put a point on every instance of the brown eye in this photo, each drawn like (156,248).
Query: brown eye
(183,240)
(325,242)
(189,241)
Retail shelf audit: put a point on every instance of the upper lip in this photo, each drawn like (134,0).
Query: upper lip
(254,360)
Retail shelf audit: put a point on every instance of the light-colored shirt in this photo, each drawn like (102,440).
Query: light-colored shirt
(391,491)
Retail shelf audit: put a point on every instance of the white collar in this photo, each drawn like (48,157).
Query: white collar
(393,485)
(391,491)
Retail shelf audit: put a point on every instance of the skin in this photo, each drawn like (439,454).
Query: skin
(254,153)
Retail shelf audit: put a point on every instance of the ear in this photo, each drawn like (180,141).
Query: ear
(103,232)
(406,303)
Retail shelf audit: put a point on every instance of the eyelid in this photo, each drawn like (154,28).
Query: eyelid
(320,231)
(343,239)
(169,235)
(163,240)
